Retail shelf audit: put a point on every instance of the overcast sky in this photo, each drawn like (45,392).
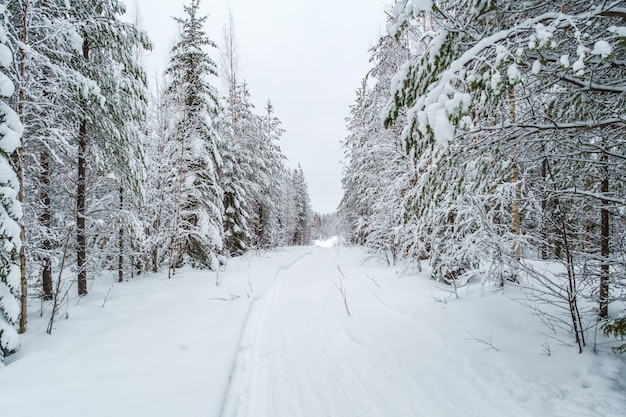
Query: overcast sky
(307,56)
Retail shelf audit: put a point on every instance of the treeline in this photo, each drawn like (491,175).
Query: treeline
(97,174)
(489,137)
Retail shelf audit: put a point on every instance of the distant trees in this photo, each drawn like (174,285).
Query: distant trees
(301,226)
(325,226)
(512,116)
(378,172)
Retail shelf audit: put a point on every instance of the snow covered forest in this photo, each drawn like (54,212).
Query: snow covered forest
(486,150)
(489,138)
(99,174)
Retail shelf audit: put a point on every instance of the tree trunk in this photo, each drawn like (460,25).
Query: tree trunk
(120,268)
(155,259)
(19,165)
(544,206)
(604,242)
(176,242)
(155,247)
(515,208)
(572,290)
(45,219)
(81,190)
(81,238)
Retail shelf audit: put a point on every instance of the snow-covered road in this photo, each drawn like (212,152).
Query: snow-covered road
(298,360)
(274,340)
(301,355)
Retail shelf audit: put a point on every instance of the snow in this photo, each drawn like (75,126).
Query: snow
(8,303)
(602,48)
(502,55)
(329,243)
(513,74)
(496,81)
(618,30)
(541,38)
(3,33)
(13,278)
(11,130)
(405,8)
(274,339)
(6,56)
(579,66)
(544,35)
(10,338)
(427,114)
(6,85)
(536,67)
(442,128)
(564,61)
(416,7)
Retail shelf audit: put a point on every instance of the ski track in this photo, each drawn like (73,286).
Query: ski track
(235,398)
(301,355)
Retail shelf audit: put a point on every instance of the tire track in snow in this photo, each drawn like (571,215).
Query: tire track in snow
(305,363)
(238,387)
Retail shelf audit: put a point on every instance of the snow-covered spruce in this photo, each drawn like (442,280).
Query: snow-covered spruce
(197,232)
(10,207)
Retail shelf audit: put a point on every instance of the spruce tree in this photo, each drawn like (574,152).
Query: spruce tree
(374,191)
(269,209)
(303,221)
(46,82)
(10,207)
(105,134)
(197,232)
(238,174)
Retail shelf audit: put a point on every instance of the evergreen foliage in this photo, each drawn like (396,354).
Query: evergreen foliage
(198,227)
(303,215)
(111,179)
(10,207)
(512,117)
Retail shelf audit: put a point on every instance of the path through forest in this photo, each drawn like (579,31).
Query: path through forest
(274,339)
(302,355)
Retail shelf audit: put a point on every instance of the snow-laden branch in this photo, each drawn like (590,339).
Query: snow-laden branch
(597,196)
(584,124)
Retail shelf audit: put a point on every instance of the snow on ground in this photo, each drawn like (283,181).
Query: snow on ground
(274,339)
(329,243)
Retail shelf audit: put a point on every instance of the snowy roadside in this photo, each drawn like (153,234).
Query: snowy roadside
(486,340)
(157,347)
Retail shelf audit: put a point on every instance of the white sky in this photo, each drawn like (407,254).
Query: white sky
(307,56)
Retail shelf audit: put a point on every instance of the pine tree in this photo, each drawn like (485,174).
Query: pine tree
(269,212)
(45,82)
(198,225)
(107,59)
(303,221)
(10,207)
(159,205)
(238,171)
(235,170)
(253,168)
(374,191)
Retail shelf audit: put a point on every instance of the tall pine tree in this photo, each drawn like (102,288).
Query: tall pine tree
(197,232)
